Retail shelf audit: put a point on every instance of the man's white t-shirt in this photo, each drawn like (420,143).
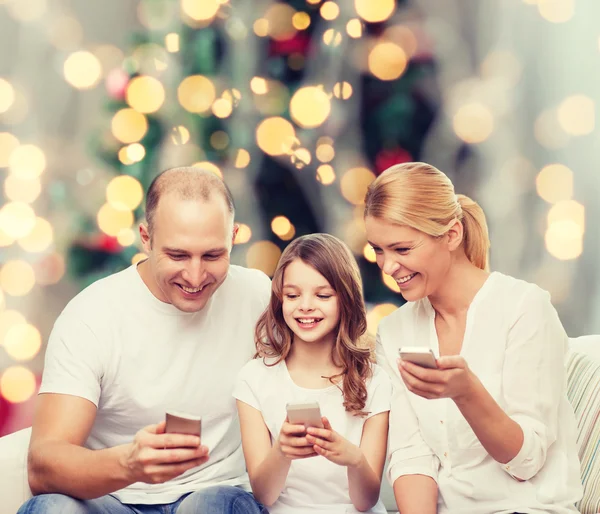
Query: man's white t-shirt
(316,484)
(135,357)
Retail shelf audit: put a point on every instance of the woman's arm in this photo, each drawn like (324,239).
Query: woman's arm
(416,494)
(519,434)
(268,465)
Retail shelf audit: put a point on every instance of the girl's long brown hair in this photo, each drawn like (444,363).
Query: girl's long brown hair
(274,339)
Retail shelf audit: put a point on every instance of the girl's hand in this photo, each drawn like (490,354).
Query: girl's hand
(333,446)
(292,442)
(452,379)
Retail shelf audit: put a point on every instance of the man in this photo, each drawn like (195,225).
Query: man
(168,334)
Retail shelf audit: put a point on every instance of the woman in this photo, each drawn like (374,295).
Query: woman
(490,430)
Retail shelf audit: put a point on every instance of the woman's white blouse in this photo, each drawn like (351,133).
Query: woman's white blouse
(516,345)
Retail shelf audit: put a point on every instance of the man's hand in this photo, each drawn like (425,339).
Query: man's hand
(155,457)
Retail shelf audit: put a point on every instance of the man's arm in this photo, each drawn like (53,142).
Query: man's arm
(58,462)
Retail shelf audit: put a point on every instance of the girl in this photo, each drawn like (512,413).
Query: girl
(309,350)
(491,429)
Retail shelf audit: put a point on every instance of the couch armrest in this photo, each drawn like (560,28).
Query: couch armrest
(14,485)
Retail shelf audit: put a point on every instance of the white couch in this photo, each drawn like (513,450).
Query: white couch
(14,487)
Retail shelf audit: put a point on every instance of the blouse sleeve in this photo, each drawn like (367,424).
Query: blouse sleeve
(534,380)
(408,453)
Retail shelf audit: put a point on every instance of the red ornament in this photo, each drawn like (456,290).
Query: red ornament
(296,45)
(116,82)
(108,244)
(387,158)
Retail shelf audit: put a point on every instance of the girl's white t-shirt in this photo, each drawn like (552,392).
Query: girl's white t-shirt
(314,483)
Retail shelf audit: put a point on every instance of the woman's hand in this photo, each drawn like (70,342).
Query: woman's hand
(452,378)
(292,442)
(331,445)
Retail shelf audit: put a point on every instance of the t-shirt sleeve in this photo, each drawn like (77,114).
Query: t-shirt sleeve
(73,362)
(379,392)
(246,384)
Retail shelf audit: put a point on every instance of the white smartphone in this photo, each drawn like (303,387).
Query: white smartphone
(307,414)
(182,423)
(418,355)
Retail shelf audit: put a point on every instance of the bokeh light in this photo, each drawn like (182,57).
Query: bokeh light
(7,95)
(138,257)
(473,122)
(204,10)
(219,140)
(263,255)
(27,11)
(556,11)
(325,174)
(301,21)
(126,237)
(242,158)
(390,282)
(275,136)
(310,106)
(332,37)
(50,269)
(280,21)
(17,278)
(172,42)
(124,193)
(244,234)
(387,61)
(377,313)
(22,342)
(8,142)
(369,253)
(17,219)
(82,70)
(330,10)
(196,93)
(111,221)
(375,11)
(576,115)
(209,166)
(17,384)
(222,108)
(145,94)
(27,161)
(568,210)
(180,135)
(555,183)
(354,184)
(301,158)
(564,240)
(354,28)
(40,238)
(342,90)
(261,27)
(280,225)
(129,126)
(9,319)
(21,190)
(325,153)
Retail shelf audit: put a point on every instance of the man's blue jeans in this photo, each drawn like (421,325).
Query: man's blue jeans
(214,500)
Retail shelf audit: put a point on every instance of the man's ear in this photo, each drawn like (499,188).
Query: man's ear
(145,238)
(455,235)
(236,227)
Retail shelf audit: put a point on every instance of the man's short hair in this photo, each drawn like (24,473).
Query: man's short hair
(188,183)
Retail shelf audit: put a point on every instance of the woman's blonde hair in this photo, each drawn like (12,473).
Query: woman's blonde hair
(420,196)
(334,260)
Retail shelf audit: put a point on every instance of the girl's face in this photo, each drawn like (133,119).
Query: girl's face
(418,262)
(310,305)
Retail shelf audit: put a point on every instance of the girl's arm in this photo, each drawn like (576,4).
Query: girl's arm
(364,463)
(364,480)
(416,494)
(267,464)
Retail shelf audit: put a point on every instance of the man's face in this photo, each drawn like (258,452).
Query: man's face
(188,250)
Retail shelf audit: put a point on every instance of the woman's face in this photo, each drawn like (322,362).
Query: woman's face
(417,262)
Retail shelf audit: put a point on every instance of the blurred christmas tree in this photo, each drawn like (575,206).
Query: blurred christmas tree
(296,104)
